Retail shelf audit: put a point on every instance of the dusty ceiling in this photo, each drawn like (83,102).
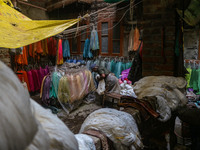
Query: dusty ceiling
(50,5)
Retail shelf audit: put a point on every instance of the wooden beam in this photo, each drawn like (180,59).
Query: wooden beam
(51,6)
(60,4)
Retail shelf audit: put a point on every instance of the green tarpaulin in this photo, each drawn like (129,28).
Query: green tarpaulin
(192,13)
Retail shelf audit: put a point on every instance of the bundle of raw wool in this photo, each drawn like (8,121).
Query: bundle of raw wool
(85,142)
(118,126)
(25,124)
(169,90)
(60,137)
(18,124)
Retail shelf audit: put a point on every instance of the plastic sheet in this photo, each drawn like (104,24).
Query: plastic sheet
(118,126)
(170,93)
(72,83)
(85,142)
(127,90)
(17,30)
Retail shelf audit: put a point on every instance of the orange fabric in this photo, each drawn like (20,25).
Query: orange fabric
(31,50)
(39,47)
(24,56)
(23,78)
(18,59)
(44,47)
(34,49)
(136,37)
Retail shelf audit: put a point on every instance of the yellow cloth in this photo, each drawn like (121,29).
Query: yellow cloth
(17,30)
(80,89)
(64,90)
(91,82)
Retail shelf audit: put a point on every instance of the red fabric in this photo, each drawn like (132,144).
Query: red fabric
(31,82)
(35,80)
(39,47)
(24,56)
(52,46)
(24,78)
(31,50)
(60,53)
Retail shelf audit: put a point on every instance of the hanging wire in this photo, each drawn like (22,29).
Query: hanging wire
(108,17)
(107,7)
(90,25)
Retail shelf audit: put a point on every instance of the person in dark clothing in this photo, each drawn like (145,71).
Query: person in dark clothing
(111,81)
(191,115)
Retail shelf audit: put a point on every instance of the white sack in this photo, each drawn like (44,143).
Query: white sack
(118,126)
(17,124)
(41,140)
(61,138)
(85,142)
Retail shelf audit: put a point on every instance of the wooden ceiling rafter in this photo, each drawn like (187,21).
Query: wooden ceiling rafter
(55,4)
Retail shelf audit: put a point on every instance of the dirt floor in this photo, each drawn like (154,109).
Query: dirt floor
(75,119)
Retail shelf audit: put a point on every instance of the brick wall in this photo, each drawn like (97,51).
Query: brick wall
(159,25)
(5,56)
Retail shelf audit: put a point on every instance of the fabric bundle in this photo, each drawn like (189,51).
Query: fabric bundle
(118,126)
(60,53)
(33,78)
(45,88)
(22,75)
(44,47)
(137,41)
(134,39)
(94,41)
(52,46)
(22,58)
(66,49)
(68,85)
(75,86)
(86,52)
(168,90)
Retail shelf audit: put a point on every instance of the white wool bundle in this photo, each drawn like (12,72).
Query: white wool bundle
(41,140)
(120,127)
(18,126)
(61,138)
(170,93)
(85,142)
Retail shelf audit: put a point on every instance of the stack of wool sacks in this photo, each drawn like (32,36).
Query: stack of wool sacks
(169,90)
(22,128)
